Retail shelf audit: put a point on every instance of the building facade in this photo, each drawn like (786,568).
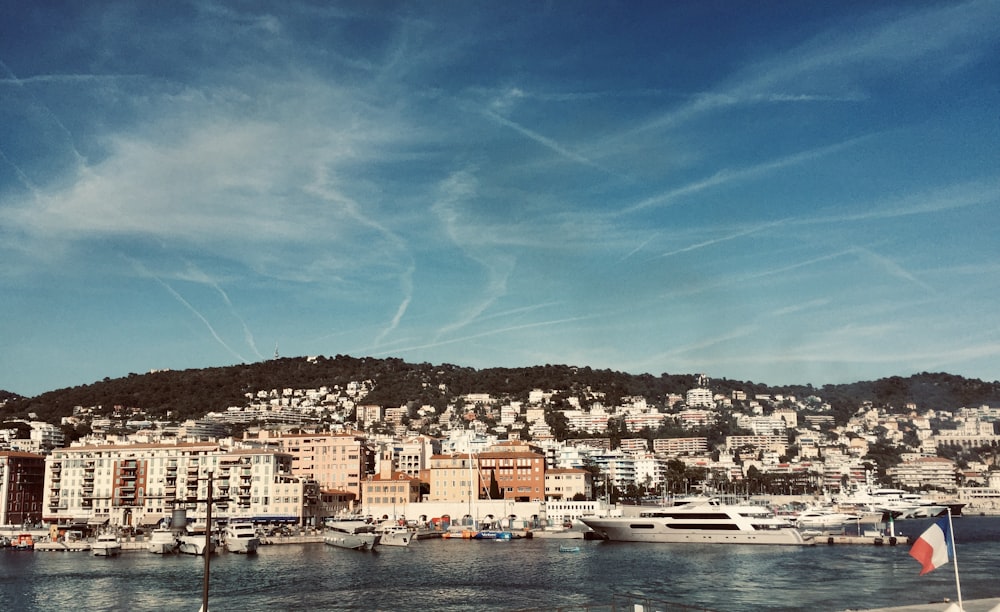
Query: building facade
(22,486)
(141,484)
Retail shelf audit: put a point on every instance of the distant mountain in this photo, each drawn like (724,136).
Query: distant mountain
(183,394)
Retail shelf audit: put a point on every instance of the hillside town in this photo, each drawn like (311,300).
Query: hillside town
(298,456)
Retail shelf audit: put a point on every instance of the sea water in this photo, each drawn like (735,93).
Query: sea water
(526,574)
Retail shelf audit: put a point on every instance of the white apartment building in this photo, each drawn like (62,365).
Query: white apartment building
(680,446)
(141,484)
(925,472)
(699,398)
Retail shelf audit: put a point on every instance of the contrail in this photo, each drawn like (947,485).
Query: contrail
(407,281)
(80,159)
(206,279)
(200,316)
(247,334)
(491,332)
(142,270)
(21,175)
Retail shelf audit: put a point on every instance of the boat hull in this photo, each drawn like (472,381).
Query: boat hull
(162,542)
(400,537)
(638,529)
(243,546)
(193,545)
(241,538)
(353,541)
(105,551)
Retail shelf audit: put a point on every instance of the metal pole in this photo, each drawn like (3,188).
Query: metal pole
(954,559)
(208,544)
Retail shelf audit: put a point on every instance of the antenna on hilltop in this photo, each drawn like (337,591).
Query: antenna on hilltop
(276,350)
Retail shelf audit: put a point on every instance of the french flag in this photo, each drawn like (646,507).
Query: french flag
(934,547)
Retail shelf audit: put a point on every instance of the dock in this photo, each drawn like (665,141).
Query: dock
(865,540)
(79,546)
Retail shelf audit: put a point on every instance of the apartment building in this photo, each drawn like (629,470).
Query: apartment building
(567,483)
(22,484)
(680,446)
(339,462)
(520,475)
(141,484)
(453,478)
(936,472)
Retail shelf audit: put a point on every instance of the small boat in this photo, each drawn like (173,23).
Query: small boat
(106,545)
(569,549)
(493,534)
(241,538)
(355,534)
(23,541)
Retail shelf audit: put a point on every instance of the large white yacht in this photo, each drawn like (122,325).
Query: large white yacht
(703,521)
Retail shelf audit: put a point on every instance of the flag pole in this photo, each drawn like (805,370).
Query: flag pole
(954,560)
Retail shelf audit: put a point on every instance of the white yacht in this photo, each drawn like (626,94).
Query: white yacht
(823,519)
(192,542)
(162,541)
(241,537)
(700,522)
(356,534)
(392,534)
(106,545)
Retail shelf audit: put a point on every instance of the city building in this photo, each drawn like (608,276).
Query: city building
(568,484)
(22,486)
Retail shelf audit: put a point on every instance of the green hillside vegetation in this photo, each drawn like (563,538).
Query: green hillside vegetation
(184,394)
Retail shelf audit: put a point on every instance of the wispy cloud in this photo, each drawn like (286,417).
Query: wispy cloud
(820,69)
(456,191)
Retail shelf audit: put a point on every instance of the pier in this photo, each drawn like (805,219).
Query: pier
(831,540)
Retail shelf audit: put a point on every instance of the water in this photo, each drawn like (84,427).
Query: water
(458,575)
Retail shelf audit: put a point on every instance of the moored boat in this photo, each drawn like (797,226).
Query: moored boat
(106,545)
(162,541)
(241,538)
(395,535)
(701,522)
(23,541)
(355,534)
(192,542)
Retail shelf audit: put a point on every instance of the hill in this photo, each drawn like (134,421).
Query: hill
(183,394)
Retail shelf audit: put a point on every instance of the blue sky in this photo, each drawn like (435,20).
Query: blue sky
(797,192)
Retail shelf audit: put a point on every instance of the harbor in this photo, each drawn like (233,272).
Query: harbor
(296,572)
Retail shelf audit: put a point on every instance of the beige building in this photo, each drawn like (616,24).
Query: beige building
(453,478)
(338,462)
(567,483)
